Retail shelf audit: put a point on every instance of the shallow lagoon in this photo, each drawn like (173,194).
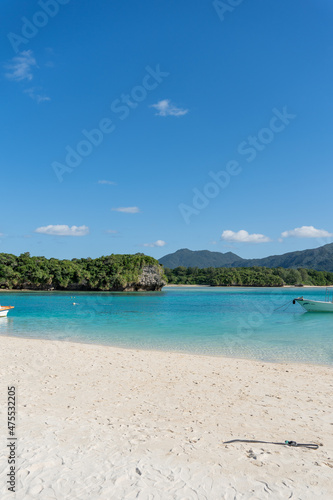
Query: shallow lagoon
(252,323)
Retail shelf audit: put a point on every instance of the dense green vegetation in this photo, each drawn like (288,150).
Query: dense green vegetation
(247,276)
(113,272)
(125,272)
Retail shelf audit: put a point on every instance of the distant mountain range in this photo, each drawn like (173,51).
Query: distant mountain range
(320,259)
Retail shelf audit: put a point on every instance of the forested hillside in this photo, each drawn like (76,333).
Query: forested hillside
(199,258)
(320,258)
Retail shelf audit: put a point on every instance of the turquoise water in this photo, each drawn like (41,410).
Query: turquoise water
(235,322)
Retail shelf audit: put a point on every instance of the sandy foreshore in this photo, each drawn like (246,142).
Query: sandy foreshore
(186,286)
(97,422)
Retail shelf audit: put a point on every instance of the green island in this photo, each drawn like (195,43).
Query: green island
(139,272)
(110,273)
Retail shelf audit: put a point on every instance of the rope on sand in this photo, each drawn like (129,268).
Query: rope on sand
(286,443)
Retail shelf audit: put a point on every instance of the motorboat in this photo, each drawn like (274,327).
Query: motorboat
(316,305)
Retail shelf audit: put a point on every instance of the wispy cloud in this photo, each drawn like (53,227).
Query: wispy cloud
(63,230)
(244,237)
(34,94)
(307,232)
(166,108)
(158,243)
(20,69)
(111,231)
(21,66)
(127,210)
(2,235)
(109,183)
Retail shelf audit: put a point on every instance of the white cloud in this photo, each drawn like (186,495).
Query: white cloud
(111,231)
(158,243)
(166,108)
(63,230)
(307,232)
(244,237)
(21,67)
(34,94)
(127,210)
(2,235)
(110,183)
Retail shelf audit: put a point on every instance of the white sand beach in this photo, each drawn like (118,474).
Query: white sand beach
(97,422)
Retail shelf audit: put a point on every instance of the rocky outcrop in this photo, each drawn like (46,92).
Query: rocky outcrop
(150,279)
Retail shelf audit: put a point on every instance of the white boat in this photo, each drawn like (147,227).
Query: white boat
(4,310)
(316,305)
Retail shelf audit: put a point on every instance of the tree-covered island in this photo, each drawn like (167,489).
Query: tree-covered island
(248,276)
(110,273)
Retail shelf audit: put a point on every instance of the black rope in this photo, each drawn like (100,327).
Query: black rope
(286,443)
(287,304)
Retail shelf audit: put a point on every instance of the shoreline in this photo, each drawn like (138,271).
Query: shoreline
(170,352)
(244,286)
(90,417)
(25,290)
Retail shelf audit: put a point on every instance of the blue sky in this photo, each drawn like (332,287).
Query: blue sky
(152,126)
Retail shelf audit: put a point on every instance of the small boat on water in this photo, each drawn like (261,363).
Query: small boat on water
(4,310)
(316,305)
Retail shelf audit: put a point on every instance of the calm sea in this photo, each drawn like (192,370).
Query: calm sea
(255,323)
